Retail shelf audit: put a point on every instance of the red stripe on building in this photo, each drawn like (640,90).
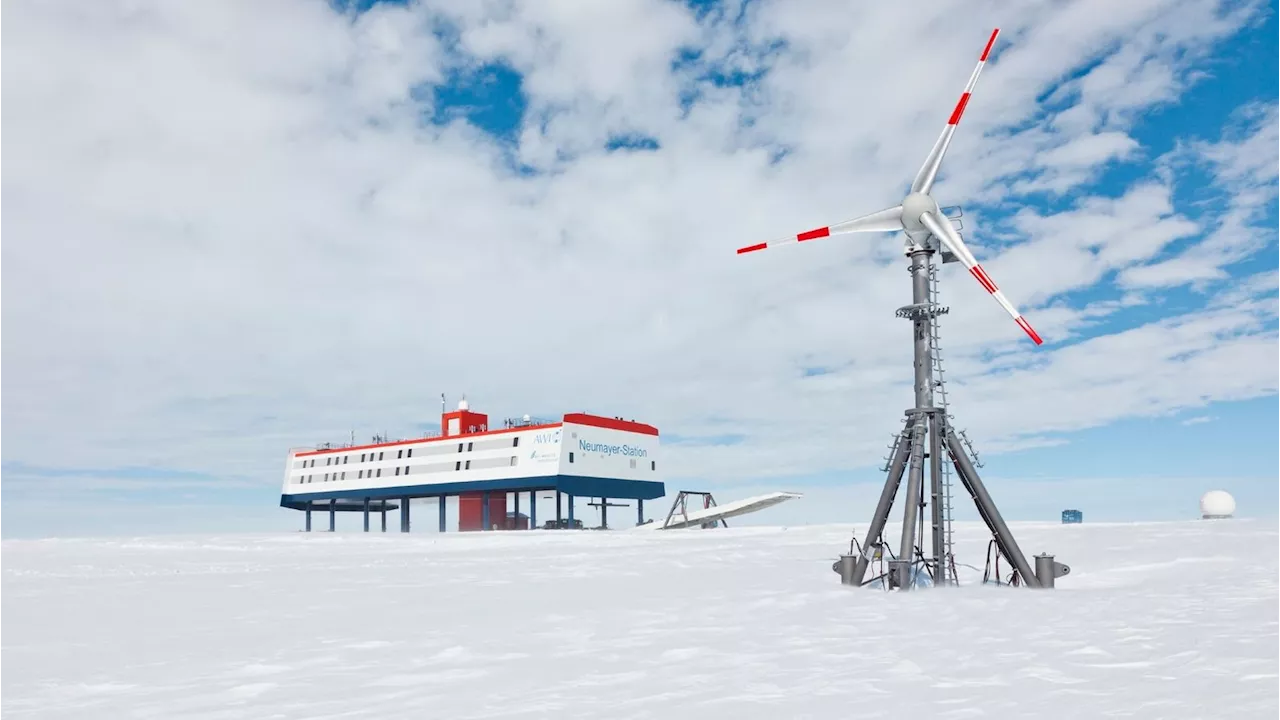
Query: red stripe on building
(442,438)
(610,423)
(752,248)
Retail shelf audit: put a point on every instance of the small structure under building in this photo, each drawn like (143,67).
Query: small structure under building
(1072,517)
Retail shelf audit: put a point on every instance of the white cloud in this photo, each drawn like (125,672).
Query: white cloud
(1245,170)
(227,233)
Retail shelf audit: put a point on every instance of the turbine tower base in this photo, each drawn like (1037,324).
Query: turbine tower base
(928,439)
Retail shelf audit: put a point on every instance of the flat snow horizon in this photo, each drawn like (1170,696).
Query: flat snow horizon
(1156,620)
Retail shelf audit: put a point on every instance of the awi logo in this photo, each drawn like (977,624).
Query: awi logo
(550,437)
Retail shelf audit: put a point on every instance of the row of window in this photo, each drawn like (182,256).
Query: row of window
(437,467)
(653,464)
(405,470)
(405,453)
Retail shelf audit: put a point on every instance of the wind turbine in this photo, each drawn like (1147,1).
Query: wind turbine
(919,215)
(927,432)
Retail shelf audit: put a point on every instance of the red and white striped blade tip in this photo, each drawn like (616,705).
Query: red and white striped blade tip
(990,286)
(973,80)
(801,237)
(1030,331)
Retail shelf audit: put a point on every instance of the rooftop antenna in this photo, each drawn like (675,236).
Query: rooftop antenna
(928,431)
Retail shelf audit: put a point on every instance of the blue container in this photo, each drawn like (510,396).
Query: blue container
(1072,517)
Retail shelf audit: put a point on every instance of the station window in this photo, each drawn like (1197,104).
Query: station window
(410,453)
(653,464)
(515,442)
(400,455)
(459,447)
(378,473)
(468,465)
(326,477)
(360,476)
(361,457)
(344,474)
(570,457)
(513,460)
(380,455)
(468,447)
(406,469)
(633,463)
(457,465)
(345,458)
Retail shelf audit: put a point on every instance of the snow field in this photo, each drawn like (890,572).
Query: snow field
(1157,620)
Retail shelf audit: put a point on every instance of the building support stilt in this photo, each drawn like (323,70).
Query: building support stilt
(570,511)
(366,514)
(533,509)
(604,513)
(384,515)
(639,512)
(333,515)
(404,515)
(442,509)
(308,516)
(485,520)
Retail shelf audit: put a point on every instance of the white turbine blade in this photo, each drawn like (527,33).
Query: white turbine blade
(941,228)
(887,220)
(929,171)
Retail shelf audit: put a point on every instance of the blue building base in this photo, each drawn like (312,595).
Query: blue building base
(364,500)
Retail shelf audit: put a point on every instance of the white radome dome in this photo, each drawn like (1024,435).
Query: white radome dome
(1217,504)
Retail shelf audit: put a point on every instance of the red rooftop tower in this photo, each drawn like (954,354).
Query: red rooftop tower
(462,421)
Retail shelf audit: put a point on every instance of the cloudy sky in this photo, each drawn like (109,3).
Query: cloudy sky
(234,227)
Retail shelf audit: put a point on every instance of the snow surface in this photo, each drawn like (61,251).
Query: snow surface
(1159,620)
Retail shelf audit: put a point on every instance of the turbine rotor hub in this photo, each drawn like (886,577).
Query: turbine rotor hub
(913,206)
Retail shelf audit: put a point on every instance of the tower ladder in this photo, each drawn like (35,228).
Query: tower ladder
(940,402)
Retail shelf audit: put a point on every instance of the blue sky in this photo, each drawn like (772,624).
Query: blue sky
(259,244)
